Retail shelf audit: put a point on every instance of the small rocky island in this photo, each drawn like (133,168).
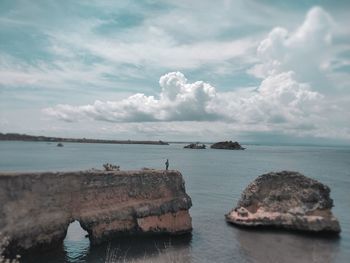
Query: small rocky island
(227,145)
(37,208)
(195,146)
(287,200)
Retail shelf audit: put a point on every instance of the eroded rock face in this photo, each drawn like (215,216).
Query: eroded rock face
(287,200)
(227,145)
(36,208)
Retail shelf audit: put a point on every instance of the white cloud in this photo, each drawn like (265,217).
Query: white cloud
(279,100)
(178,100)
(156,48)
(308,51)
(58,74)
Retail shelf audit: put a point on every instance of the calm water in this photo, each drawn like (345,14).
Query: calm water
(214,180)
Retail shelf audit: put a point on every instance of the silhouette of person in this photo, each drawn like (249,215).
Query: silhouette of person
(166,164)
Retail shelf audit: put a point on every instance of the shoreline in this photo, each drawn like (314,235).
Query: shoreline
(33,138)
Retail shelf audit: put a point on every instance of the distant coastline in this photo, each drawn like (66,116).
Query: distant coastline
(33,138)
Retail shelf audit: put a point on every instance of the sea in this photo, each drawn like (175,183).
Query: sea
(215,180)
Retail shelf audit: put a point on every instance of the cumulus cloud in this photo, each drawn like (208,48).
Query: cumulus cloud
(306,51)
(278,100)
(178,100)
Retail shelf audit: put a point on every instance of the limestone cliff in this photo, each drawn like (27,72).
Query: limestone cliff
(288,200)
(36,208)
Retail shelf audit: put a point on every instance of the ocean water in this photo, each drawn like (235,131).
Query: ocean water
(214,180)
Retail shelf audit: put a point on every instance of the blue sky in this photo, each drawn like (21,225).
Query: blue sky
(176,70)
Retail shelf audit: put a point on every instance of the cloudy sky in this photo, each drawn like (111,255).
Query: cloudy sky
(255,71)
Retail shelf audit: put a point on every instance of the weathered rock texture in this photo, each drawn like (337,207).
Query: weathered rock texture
(36,208)
(228,145)
(287,200)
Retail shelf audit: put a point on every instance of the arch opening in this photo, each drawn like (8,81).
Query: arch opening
(76,243)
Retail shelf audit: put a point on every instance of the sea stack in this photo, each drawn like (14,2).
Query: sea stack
(227,145)
(287,200)
(37,208)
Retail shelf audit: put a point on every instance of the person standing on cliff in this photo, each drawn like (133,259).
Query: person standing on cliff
(166,164)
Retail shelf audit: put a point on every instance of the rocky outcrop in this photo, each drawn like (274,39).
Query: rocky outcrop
(287,200)
(195,146)
(227,145)
(36,208)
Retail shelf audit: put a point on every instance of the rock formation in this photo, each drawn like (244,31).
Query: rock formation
(36,208)
(287,200)
(227,145)
(195,146)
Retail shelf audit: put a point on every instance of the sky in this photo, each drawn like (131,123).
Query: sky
(253,71)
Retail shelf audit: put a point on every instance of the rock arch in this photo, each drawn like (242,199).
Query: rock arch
(37,208)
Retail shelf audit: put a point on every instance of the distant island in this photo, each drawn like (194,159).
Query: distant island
(195,146)
(32,138)
(227,145)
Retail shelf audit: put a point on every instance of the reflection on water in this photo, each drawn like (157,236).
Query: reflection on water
(143,249)
(76,248)
(257,245)
(266,245)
